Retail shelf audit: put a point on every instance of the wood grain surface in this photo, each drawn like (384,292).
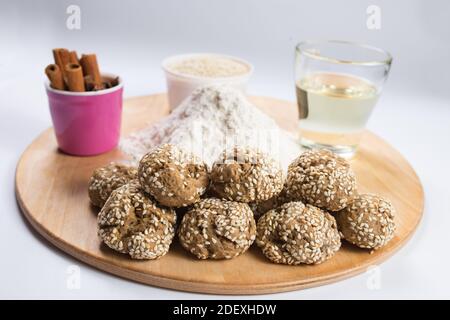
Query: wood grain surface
(51,189)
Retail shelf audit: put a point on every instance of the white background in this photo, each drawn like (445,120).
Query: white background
(132,37)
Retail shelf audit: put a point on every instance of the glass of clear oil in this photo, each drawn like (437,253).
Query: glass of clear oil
(337,85)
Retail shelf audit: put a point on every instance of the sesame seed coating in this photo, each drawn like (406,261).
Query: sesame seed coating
(296,233)
(130,222)
(174,177)
(106,179)
(322,179)
(368,221)
(246,175)
(217,229)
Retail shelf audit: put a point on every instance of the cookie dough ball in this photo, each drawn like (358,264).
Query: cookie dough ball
(368,221)
(174,177)
(130,222)
(217,229)
(296,233)
(246,175)
(107,179)
(322,179)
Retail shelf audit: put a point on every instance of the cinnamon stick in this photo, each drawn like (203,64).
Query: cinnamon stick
(90,68)
(114,82)
(62,58)
(89,83)
(74,76)
(55,76)
(110,82)
(73,57)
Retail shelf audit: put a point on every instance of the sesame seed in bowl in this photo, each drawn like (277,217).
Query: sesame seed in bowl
(187,72)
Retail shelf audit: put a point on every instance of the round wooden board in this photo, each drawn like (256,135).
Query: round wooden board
(51,189)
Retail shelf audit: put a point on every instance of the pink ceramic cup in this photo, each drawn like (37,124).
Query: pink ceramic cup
(86,123)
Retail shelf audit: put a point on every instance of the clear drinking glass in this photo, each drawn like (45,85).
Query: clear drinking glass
(337,85)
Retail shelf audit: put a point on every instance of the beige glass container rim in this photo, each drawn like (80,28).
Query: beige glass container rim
(301,48)
(167,61)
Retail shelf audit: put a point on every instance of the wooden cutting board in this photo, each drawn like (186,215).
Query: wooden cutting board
(51,189)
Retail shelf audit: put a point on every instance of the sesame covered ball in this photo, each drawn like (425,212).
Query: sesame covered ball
(131,223)
(295,233)
(174,177)
(368,221)
(246,175)
(217,229)
(322,179)
(107,179)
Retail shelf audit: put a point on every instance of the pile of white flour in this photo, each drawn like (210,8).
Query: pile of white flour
(211,119)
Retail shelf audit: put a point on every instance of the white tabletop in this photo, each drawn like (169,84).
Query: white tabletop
(413,114)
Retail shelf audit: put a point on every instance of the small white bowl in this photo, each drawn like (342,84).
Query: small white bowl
(180,85)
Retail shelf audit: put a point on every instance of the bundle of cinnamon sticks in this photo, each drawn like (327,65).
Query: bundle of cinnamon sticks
(78,75)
